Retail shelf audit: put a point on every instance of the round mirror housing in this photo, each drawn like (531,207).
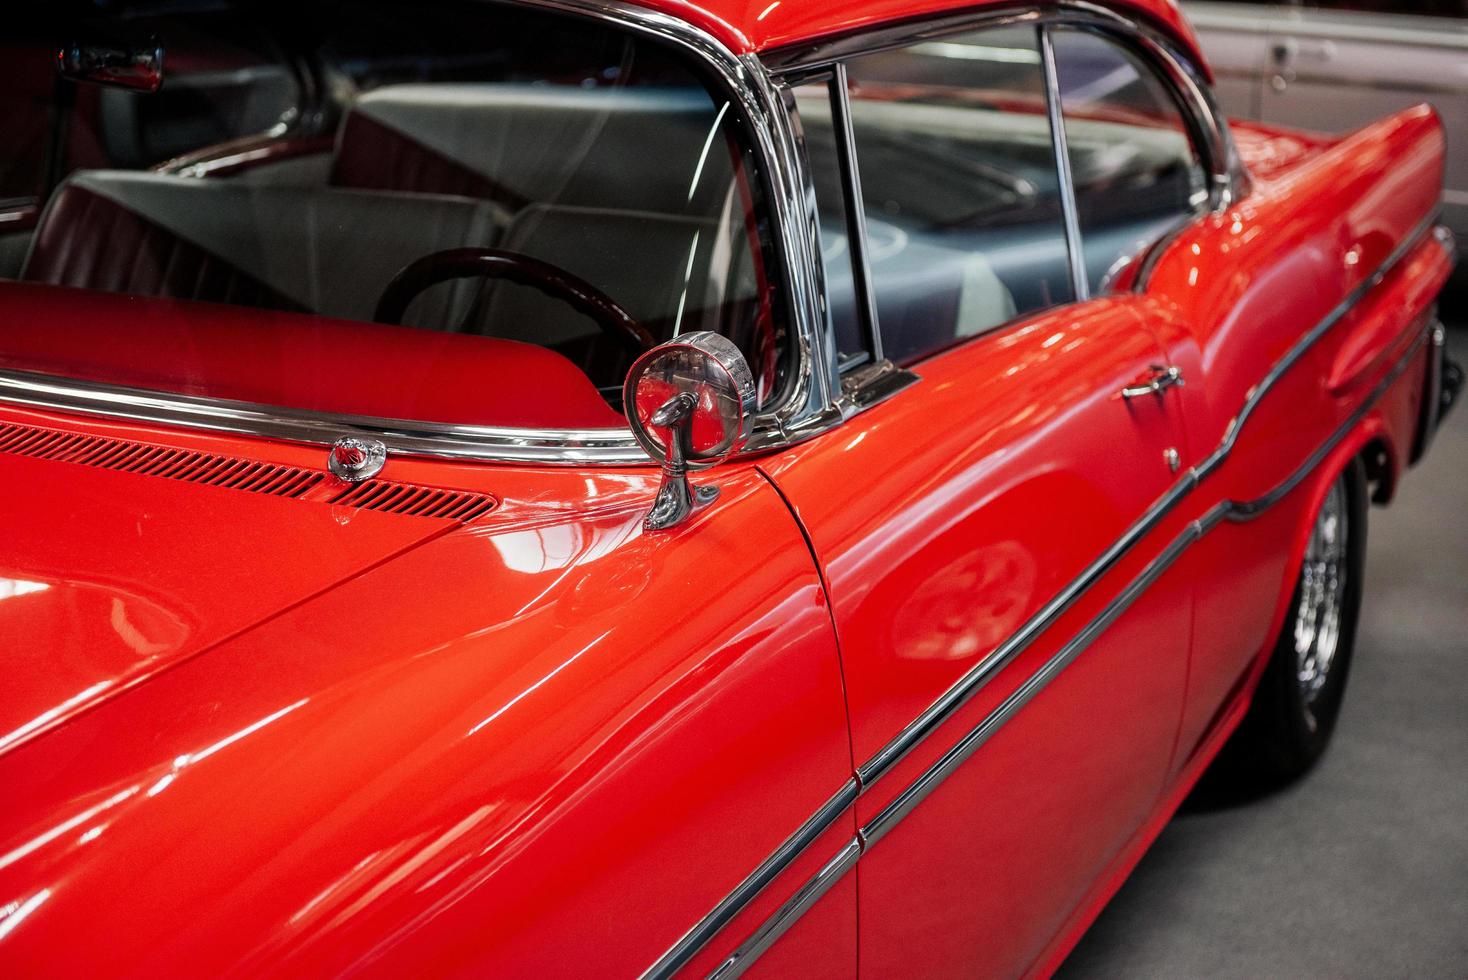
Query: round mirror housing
(689,403)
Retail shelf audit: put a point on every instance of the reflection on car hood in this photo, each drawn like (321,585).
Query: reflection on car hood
(107,577)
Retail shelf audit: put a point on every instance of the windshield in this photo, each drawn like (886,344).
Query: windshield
(444,212)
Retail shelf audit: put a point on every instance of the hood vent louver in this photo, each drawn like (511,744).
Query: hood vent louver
(174,464)
(233,473)
(405,498)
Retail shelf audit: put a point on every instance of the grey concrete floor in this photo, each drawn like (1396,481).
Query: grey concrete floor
(1361,870)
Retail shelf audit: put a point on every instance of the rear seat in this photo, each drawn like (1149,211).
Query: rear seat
(523,145)
(591,243)
(322,250)
(640,258)
(88,240)
(517,143)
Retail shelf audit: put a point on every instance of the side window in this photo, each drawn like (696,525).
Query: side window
(1135,169)
(962,194)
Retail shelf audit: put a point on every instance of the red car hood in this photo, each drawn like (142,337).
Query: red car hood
(108,577)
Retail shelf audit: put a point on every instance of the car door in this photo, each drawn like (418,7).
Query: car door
(1013,697)
(1337,66)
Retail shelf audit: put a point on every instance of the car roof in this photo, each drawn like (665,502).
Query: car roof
(753,26)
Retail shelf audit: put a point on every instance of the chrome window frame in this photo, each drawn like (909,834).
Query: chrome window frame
(1207,128)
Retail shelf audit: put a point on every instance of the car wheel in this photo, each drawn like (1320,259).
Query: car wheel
(1294,711)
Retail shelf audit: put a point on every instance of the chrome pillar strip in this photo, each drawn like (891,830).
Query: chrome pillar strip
(1080,283)
(959,694)
(709,926)
(856,210)
(879,826)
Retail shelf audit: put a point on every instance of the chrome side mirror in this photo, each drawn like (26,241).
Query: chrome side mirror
(689,403)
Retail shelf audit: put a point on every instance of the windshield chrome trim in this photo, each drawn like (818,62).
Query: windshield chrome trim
(813,402)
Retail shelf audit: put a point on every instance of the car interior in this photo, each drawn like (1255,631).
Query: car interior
(427,166)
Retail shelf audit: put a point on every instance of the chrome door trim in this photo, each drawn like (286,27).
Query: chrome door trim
(872,832)
(786,915)
(944,708)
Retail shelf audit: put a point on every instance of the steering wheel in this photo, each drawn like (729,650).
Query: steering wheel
(496,263)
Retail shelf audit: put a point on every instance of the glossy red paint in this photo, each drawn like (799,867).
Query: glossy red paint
(943,523)
(1278,263)
(461,759)
(749,26)
(250,734)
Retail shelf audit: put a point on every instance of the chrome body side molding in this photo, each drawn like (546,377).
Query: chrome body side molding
(793,846)
(786,915)
(971,683)
(879,826)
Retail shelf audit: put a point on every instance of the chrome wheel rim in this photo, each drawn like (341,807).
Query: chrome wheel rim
(1322,595)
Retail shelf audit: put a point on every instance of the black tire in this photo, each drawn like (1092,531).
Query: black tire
(1294,712)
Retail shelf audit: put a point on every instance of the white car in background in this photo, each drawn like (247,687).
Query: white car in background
(1334,65)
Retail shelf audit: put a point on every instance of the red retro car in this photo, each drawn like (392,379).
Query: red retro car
(570,487)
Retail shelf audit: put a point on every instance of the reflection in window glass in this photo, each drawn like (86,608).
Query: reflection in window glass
(1135,169)
(353,230)
(813,102)
(960,185)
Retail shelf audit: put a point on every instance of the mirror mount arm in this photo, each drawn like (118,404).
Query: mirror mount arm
(705,398)
(676,498)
